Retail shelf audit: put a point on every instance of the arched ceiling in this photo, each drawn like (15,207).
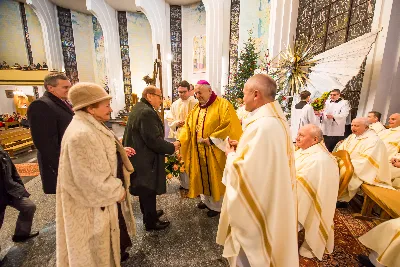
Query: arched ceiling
(120,5)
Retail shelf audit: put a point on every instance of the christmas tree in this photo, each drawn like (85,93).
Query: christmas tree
(246,67)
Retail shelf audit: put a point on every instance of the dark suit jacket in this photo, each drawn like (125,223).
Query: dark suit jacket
(48,118)
(145,133)
(11,185)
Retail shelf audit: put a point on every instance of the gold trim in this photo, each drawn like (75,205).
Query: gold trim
(254,208)
(393,239)
(317,206)
(371,160)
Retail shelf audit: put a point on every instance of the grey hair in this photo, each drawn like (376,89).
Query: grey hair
(316,131)
(362,120)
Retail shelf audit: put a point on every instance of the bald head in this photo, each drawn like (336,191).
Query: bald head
(258,91)
(359,126)
(394,120)
(308,135)
(153,95)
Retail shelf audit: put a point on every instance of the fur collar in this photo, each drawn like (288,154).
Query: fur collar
(84,116)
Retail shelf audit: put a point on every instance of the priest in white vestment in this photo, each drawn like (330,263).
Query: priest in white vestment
(334,119)
(302,114)
(258,223)
(369,158)
(384,241)
(317,174)
(177,116)
(391,138)
(374,119)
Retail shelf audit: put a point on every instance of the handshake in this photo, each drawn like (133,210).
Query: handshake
(177,145)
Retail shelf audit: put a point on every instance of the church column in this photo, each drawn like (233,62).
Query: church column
(157,12)
(217,33)
(282,29)
(107,17)
(382,73)
(46,12)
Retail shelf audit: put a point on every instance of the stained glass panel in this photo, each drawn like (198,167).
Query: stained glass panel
(319,4)
(339,7)
(335,39)
(338,23)
(176,48)
(319,17)
(234,38)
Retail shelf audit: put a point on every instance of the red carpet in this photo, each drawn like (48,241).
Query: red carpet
(28,169)
(347,246)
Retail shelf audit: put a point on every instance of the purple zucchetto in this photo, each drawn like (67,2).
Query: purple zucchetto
(203,82)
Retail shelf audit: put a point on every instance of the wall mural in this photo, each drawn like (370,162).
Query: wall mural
(67,43)
(199,54)
(234,38)
(124,45)
(99,54)
(176,48)
(332,23)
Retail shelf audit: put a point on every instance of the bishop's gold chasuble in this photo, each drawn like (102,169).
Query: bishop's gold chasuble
(385,240)
(259,208)
(205,164)
(391,138)
(369,158)
(317,174)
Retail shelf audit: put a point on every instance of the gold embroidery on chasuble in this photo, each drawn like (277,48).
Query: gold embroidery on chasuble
(202,153)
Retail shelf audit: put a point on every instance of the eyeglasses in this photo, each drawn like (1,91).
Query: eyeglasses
(160,96)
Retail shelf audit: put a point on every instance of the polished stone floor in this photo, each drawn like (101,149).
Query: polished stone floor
(190,241)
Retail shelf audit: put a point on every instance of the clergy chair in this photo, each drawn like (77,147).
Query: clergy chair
(346,169)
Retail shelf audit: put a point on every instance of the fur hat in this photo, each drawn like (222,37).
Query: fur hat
(84,94)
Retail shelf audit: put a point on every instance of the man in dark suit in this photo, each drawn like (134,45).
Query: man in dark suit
(49,117)
(145,133)
(14,194)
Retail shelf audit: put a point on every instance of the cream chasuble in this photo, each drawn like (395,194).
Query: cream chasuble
(385,240)
(391,138)
(369,158)
(259,213)
(317,174)
(179,112)
(205,164)
(377,127)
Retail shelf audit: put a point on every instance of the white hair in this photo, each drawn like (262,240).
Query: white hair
(362,120)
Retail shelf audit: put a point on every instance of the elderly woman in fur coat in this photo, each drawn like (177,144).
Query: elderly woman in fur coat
(93,176)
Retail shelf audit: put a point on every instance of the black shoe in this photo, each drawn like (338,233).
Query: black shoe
(364,260)
(160,213)
(342,205)
(124,256)
(22,238)
(212,213)
(159,225)
(201,205)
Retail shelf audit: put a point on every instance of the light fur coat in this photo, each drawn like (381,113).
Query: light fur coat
(87,226)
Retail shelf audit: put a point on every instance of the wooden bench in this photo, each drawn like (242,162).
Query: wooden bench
(8,124)
(17,140)
(388,200)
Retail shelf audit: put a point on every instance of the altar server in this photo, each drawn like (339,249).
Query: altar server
(202,146)
(334,119)
(317,191)
(369,158)
(258,223)
(176,119)
(384,241)
(391,138)
(374,119)
(303,114)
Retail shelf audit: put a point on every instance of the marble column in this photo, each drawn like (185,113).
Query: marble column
(380,91)
(47,14)
(107,16)
(158,14)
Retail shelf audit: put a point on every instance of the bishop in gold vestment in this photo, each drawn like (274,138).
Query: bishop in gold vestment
(369,158)
(258,223)
(317,175)
(391,138)
(202,145)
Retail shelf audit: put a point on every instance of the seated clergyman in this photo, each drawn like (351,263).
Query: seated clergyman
(317,174)
(374,119)
(369,158)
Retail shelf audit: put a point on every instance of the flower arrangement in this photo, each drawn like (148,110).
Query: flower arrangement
(319,103)
(174,165)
